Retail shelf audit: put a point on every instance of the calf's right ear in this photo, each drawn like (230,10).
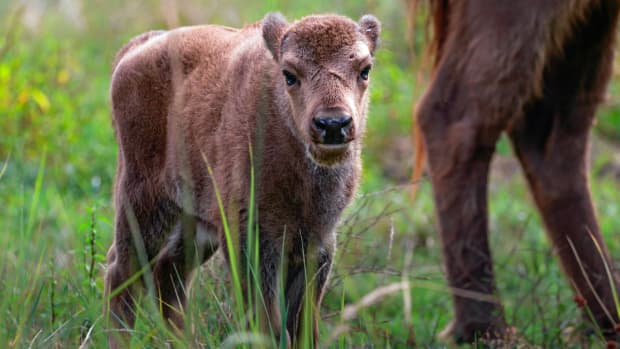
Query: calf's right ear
(274,26)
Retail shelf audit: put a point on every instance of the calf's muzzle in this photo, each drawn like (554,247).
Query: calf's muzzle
(332,130)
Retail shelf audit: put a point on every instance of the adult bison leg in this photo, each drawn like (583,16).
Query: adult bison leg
(481,82)
(459,164)
(551,141)
(556,167)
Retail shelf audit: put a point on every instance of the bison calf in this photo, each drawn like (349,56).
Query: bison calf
(196,110)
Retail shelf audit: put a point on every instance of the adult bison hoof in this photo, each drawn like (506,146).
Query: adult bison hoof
(491,335)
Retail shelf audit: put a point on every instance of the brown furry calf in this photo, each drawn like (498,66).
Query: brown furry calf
(536,70)
(290,98)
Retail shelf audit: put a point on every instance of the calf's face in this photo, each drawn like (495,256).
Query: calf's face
(325,63)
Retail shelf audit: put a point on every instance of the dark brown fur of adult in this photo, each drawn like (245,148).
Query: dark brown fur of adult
(536,70)
(199,97)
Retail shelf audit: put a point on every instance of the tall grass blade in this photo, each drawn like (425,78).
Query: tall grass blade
(25,322)
(282,295)
(585,276)
(230,245)
(5,165)
(610,275)
(36,195)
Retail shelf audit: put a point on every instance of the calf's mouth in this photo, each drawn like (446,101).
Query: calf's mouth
(329,154)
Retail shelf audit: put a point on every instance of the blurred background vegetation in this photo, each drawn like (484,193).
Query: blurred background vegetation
(58,157)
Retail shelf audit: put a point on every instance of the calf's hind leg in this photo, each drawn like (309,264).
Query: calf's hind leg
(119,295)
(190,244)
(139,233)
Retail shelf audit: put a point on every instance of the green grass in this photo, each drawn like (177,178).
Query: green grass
(57,162)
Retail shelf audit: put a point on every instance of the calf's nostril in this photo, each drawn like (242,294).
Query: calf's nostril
(345,121)
(320,123)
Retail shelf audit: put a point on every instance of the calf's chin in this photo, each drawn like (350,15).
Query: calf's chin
(330,155)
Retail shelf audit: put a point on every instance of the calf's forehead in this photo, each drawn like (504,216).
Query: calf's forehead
(345,56)
(323,38)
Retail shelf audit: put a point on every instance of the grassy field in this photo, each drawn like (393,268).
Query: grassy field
(58,157)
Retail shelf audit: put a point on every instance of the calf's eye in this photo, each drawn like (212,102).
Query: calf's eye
(289,77)
(364,73)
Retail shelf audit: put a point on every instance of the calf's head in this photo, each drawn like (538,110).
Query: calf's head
(325,63)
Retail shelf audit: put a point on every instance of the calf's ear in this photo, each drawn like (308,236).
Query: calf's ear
(371,28)
(274,26)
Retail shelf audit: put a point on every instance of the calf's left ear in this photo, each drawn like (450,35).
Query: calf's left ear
(371,28)
(274,26)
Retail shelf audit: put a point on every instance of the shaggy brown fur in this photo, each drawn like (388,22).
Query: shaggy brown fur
(209,96)
(536,70)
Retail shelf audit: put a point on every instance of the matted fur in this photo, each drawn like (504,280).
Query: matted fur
(198,97)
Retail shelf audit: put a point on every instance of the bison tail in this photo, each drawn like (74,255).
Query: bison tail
(440,16)
(419,158)
(439,13)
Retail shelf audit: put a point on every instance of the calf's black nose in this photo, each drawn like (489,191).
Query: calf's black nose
(333,130)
